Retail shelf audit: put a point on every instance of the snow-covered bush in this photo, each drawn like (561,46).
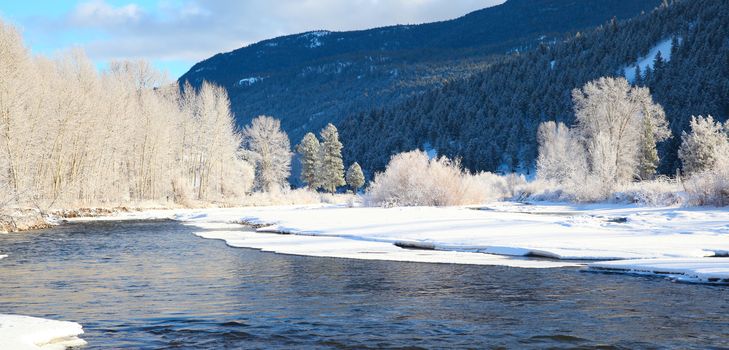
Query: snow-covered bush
(658,192)
(539,190)
(704,153)
(278,196)
(709,187)
(412,179)
(662,191)
(704,147)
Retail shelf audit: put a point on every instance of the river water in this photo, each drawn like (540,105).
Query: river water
(154,285)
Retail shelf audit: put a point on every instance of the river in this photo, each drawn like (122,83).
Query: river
(154,285)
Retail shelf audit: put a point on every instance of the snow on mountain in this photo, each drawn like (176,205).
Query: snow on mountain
(249,81)
(664,47)
(314,38)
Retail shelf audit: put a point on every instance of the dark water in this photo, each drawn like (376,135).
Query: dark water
(153,285)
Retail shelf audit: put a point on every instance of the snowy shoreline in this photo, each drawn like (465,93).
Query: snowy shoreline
(503,234)
(30,333)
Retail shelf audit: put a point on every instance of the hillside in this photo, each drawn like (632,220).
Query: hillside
(310,79)
(490,119)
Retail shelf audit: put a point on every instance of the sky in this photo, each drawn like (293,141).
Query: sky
(176,34)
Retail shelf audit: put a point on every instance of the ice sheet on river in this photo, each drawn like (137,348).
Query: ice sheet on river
(31,333)
(701,270)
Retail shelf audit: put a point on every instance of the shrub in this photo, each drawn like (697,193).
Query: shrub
(709,187)
(412,179)
(659,192)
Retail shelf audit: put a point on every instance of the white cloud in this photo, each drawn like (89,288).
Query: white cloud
(99,13)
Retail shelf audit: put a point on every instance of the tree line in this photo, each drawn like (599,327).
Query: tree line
(70,135)
(73,136)
(613,142)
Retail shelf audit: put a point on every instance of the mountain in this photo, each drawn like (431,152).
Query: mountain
(310,79)
(490,120)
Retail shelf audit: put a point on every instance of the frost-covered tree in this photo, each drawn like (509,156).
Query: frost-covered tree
(272,151)
(610,119)
(705,147)
(331,170)
(73,136)
(308,151)
(561,155)
(355,177)
(16,91)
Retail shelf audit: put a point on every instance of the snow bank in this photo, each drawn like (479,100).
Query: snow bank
(610,233)
(703,270)
(337,247)
(24,332)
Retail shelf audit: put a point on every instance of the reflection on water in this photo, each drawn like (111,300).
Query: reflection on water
(155,285)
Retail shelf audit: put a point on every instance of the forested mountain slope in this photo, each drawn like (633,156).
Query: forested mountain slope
(310,79)
(491,119)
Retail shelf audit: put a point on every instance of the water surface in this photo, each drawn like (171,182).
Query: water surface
(154,285)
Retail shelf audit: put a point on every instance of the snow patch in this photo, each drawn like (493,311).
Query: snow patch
(314,38)
(316,33)
(664,47)
(29,333)
(249,81)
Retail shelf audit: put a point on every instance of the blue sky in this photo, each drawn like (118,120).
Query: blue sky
(175,34)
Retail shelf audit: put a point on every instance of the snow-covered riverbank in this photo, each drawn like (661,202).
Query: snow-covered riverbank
(494,235)
(31,333)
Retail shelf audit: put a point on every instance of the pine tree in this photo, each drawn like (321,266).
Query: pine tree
(355,177)
(649,155)
(658,63)
(638,76)
(331,172)
(308,150)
